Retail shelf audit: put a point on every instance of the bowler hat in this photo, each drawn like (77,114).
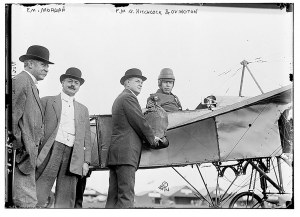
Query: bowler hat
(130,73)
(36,52)
(72,73)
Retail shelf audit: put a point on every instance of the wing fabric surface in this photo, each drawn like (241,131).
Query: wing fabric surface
(247,129)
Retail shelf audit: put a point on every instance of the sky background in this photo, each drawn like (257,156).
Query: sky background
(204,49)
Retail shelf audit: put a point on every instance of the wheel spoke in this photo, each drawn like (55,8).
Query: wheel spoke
(246,200)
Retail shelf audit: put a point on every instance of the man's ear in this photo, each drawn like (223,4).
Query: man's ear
(31,63)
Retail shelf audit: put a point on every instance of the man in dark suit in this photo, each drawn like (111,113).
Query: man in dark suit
(65,153)
(28,128)
(129,128)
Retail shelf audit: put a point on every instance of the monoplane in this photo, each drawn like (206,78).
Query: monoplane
(252,136)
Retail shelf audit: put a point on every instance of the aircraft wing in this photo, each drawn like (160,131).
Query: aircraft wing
(247,129)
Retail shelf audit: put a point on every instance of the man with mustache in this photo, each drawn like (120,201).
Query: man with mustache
(65,153)
(27,126)
(164,96)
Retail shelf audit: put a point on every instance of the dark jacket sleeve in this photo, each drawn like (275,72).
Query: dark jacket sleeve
(178,102)
(137,120)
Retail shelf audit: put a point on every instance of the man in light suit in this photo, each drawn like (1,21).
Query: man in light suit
(28,128)
(129,128)
(65,153)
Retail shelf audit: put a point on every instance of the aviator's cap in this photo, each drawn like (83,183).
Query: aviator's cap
(166,74)
(36,52)
(130,73)
(72,73)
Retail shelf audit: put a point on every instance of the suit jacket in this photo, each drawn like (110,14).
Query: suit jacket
(81,153)
(27,119)
(129,128)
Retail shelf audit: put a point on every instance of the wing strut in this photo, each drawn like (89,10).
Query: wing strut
(245,65)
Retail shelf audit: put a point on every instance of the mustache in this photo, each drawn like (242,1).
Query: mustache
(72,87)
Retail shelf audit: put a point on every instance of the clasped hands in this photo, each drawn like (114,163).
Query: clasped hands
(156,140)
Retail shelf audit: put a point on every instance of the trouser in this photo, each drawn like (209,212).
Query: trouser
(57,169)
(121,187)
(24,189)
(80,187)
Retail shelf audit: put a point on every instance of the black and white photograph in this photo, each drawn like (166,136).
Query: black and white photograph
(149,106)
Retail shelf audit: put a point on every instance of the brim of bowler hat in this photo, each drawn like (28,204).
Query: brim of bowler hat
(63,76)
(125,77)
(27,57)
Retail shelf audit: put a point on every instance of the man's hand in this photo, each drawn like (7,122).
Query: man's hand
(85,169)
(156,140)
(150,104)
(144,110)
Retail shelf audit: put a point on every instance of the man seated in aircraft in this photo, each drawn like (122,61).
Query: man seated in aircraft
(210,102)
(164,96)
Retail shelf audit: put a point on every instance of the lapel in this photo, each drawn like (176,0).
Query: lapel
(76,115)
(57,106)
(35,93)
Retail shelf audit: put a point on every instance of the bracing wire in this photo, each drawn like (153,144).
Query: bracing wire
(238,188)
(228,72)
(246,180)
(256,60)
(277,150)
(245,133)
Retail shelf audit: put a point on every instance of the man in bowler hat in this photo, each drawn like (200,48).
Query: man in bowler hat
(28,128)
(65,153)
(129,128)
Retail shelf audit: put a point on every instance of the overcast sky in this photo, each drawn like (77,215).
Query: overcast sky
(204,49)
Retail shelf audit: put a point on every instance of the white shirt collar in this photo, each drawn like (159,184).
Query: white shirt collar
(67,98)
(33,78)
(132,92)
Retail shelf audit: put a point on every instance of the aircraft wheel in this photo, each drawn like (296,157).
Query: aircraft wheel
(248,200)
